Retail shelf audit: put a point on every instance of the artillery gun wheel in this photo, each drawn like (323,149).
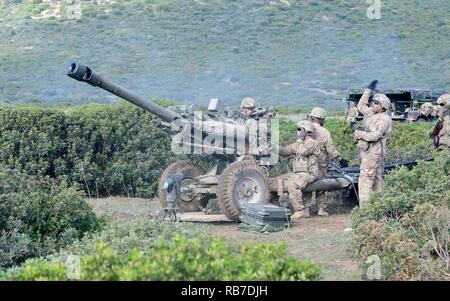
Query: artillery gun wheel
(241,183)
(189,203)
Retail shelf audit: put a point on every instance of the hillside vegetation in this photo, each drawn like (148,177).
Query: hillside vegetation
(104,149)
(297,53)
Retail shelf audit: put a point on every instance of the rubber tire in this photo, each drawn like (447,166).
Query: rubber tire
(188,169)
(227,181)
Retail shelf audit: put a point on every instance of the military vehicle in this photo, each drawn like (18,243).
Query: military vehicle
(406,105)
(239,176)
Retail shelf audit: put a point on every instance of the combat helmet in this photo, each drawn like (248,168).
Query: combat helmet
(318,113)
(248,102)
(383,99)
(443,99)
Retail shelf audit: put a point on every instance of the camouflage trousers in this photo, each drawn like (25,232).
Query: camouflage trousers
(444,144)
(370,177)
(296,183)
(321,196)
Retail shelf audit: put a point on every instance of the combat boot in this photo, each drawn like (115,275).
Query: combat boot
(322,212)
(306,213)
(300,214)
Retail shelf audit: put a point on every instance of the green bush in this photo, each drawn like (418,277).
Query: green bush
(179,259)
(139,234)
(408,225)
(105,149)
(39,215)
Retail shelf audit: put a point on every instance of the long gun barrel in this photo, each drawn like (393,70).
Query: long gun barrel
(85,74)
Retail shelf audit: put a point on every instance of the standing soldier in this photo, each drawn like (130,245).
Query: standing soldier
(327,152)
(442,130)
(248,105)
(255,129)
(305,166)
(372,141)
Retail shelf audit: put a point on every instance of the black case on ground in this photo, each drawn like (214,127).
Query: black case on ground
(265,214)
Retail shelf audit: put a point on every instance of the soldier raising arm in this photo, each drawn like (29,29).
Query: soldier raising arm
(363,104)
(373,142)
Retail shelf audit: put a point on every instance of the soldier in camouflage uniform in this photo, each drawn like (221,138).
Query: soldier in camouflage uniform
(256,130)
(372,142)
(444,116)
(327,152)
(248,105)
(305,166)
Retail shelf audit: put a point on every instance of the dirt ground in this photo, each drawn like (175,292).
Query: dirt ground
(323,240)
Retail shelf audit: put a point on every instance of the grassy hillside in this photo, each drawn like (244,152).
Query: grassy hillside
(291,52)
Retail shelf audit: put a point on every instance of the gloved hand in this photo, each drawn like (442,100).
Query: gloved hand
(355,126)
(372,85)
(343,163)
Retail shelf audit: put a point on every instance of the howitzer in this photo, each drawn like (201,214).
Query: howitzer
(239,175)
(230,138)
(220,126)
(85,74)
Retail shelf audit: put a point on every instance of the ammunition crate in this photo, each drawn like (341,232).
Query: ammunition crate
(265,214)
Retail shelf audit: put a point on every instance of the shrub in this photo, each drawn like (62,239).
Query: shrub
(105,149)
(179,259)
(38,215)
(139,234)
(408,225)
(115,150)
